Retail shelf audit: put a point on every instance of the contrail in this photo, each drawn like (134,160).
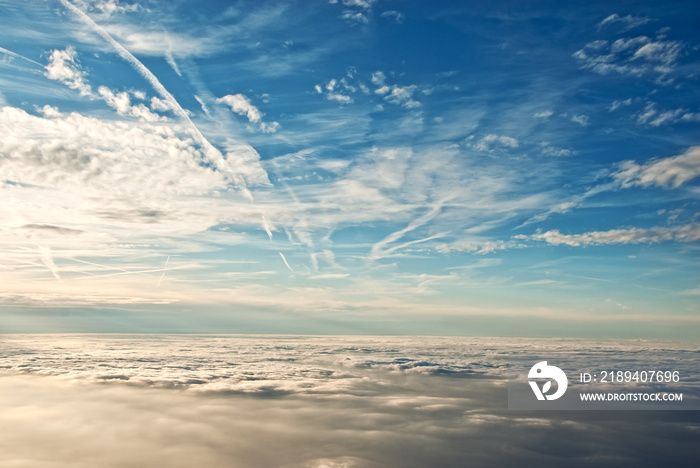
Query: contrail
(285,261)
(163,275)
(132,272)
(267,227)
(413,225)
(12,54)
(47,260)
(213,155)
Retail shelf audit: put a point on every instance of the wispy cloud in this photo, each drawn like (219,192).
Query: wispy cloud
(637,56)
(669,172)
(627,22)
(395,16)
(687,233)
(650,115)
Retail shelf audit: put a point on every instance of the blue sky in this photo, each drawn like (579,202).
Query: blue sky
(351,166)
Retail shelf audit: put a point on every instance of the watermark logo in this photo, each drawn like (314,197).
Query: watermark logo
(542,371)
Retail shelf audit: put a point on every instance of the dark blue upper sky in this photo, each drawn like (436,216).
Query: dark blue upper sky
(365,166)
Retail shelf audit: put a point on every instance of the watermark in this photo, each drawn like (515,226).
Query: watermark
(587,382)
(552,373)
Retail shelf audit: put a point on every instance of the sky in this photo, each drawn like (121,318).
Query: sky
(352,166)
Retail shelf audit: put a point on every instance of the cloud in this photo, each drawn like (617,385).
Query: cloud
(687,233)
(619,103)
(75,152)
(110,7)
(395,16)
(487,142)
(121,102)
(241,105)
(402,96)
(47,259)
(354,402)
(286,263)
(357,11)
(543,115)
(650,115)
(548,149)
(162,105)
(636,56)
(628,22)
(79,187)
(341,90)
(669,172)
(580,119)
(363,4)
(479,248)
(63,67)
(212,153)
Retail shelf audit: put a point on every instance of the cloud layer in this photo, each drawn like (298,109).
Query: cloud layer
(319,402)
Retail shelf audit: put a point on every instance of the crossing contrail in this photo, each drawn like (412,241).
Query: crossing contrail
(213,155)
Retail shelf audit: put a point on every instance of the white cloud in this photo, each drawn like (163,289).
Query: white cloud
(242,106)
(357,11)
(212,154)
(161,105)
(628,21)
(355,16)
(110,7)
(580,119)
(669,172)
(403,96)
(77,152)
(382,90)
(618,104)
(395,16)
(687,233)
(364,4)
(228,400)
(63,67)
(650,115)
(76,187)
(271,127)
(121,102)
(487,142)
(107,169)
(637,56)
(341,90)
(663,52)
(551,150)
(479,248)
(544,114)
(378,78)
(341,98)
